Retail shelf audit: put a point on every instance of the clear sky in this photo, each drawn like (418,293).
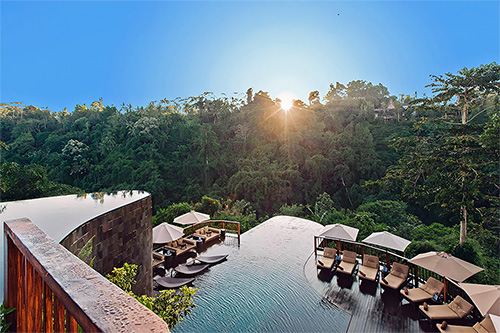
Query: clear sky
(58,54)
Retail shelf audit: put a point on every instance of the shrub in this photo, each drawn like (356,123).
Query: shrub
(171,212)
(208,206)
(169,305)
(292,210)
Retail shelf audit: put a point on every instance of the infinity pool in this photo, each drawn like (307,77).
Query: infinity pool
(262,287)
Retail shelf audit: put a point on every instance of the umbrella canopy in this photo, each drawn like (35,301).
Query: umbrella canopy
(165,232)
(486,297)
(386,239)
(191,218)
(496,322)
(446,265)
(340,231)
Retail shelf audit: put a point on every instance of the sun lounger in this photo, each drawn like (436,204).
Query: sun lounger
(370,267)
(190,269)
(328,259)
(348,263)
(180,246)
(173,282)
(211,259)
(396,277)
(424,292)
(457,309)
(485,326)
(207,233)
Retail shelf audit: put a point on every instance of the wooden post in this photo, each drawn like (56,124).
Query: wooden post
(11,277)
(315,247)
(21,295)
(49,313)
(339,247)
(30,306)
(38,302)
(59,316)
(388,260)
(415,269)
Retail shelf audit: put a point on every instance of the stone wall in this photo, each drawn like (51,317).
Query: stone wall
(123,235)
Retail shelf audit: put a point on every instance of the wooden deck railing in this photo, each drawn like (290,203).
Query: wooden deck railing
(229,226)
(417,274)
(54,291)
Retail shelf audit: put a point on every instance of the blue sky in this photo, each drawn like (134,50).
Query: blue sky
(57,54)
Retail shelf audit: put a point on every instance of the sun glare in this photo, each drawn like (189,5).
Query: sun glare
(286,101)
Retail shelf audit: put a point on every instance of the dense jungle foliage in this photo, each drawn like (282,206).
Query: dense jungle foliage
(424,168)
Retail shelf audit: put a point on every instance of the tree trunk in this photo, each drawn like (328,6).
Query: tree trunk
(463,225)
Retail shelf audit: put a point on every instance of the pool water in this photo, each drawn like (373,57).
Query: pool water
(262,286)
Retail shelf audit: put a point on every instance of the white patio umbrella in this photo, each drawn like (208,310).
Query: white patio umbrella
(165,233)
(386,239)
(446,265)
(486,297)
(340,231)
(191,218)
(496,322)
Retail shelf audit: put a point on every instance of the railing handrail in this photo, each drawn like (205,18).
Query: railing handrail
(418,278)
(86,296)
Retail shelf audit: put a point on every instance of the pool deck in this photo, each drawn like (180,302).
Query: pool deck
(373,309)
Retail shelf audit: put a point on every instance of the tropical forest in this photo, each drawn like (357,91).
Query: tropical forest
(425,167)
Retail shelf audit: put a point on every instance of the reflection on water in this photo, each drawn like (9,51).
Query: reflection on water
(262,287)
(99,197)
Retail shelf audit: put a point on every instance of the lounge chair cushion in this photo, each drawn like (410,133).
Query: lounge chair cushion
(174,243)
(329,253)
(370,273)
(370,261)
(180,242)
(439,312)
(349,256)
(417,295)
(399,270)
(346,267)
(455,329)
(433,286)
(485,326)
(393,281)
(325,262)
(461,307)
(457,309)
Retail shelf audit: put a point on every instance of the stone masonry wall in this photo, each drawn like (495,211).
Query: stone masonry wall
(123,235)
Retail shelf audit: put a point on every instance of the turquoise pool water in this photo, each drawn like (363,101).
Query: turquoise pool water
(262,286)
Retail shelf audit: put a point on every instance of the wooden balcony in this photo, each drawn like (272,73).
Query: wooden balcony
(54,291)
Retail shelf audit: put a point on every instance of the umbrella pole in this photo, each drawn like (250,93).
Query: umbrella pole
(338,246)
(388,260)
(444,281)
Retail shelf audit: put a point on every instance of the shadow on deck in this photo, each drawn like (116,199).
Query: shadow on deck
(372,308)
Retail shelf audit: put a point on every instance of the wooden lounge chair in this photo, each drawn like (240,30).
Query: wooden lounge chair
(485,326)
(207,233)
(180,246)
(212,259)
(370,267)
(173,282)
(459,308)
(424,292)
(397,276)
(190,269)
(328,259)
(348,263)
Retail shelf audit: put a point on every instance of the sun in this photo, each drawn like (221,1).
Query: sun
(287,99)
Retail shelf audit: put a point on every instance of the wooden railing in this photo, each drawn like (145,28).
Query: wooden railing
(54,291)
(228,226)
(417,274)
